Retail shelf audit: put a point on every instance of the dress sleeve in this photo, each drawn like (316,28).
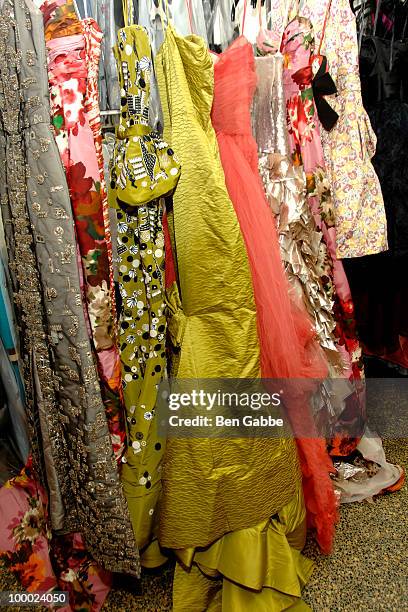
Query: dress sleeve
(348,148)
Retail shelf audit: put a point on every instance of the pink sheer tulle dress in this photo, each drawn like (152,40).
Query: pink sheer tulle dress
(288,346)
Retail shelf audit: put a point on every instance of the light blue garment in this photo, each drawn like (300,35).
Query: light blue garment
(13,403)
(85,8)
(9,369)
(9,359)
(7,332)
(108,19)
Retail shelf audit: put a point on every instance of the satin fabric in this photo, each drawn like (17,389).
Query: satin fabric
(259,569)
(214,322)
(218,309)
(211,487)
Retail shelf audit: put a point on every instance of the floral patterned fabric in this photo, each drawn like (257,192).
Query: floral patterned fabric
(60,19)
(303,251)
(76,124)
(361,227)
(41,561)
(93,38)
(348,148)
(300,65)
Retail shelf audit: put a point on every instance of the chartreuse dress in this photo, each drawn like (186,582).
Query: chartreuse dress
(143,169)
(231,509)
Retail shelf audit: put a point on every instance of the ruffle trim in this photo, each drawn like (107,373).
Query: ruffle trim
(261,567)
(302,249)
(360,484)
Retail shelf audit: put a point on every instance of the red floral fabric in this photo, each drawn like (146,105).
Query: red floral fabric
(301,64)
(73,67)
(41,561)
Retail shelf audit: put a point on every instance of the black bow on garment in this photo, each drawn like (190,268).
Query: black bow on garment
(323,85)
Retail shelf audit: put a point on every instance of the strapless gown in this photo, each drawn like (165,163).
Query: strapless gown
(288,346)
(232,509)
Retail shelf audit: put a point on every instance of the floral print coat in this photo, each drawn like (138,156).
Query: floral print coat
(359,212)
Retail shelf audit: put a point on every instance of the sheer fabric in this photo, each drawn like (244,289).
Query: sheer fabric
(286,337)
(285,333)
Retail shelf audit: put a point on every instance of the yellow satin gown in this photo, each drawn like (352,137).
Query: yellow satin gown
(232,509)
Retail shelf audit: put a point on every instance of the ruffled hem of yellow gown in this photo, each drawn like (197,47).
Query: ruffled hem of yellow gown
(262,568)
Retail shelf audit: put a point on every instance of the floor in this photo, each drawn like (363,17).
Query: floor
(368,570)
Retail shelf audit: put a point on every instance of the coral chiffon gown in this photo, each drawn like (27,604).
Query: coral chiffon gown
(288,345)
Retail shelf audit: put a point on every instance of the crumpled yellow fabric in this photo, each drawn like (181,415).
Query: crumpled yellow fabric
(211,486)
(261,569)
(220,334)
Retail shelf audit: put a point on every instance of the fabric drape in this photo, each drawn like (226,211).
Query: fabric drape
(75,117)
(213,326)
(286,336)
(70,440)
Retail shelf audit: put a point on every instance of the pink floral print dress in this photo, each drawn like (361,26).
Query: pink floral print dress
(300,66)
(72,69)
(348,148)
(41,561)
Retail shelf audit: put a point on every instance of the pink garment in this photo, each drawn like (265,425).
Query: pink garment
(288,348)
(73,70)
(305,139)
(93,39)
(306,135)
(43,562)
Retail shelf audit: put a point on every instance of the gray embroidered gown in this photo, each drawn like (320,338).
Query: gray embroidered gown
(70,440)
